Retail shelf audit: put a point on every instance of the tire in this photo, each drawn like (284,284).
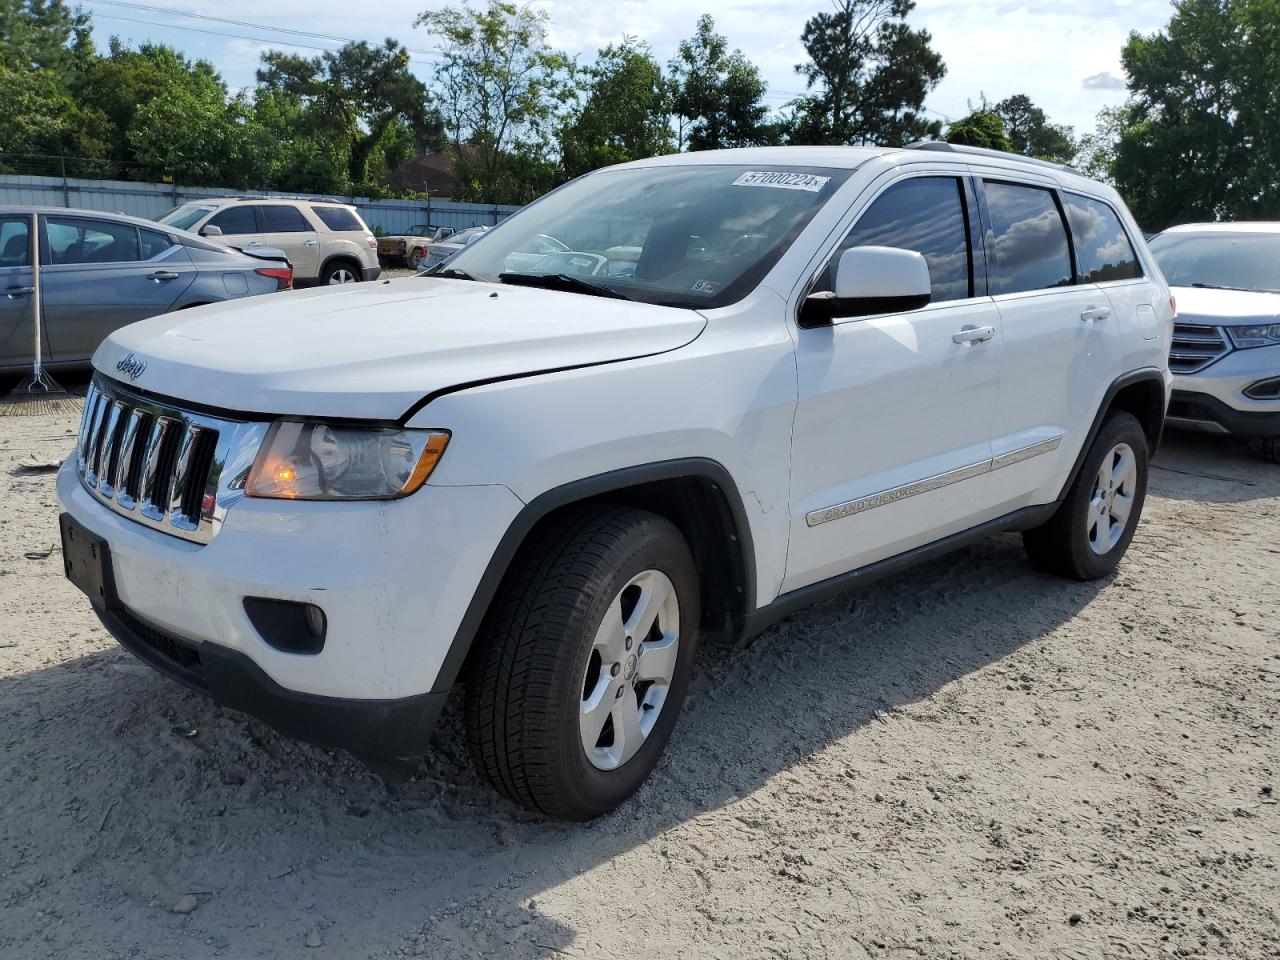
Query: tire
(339,272)
(1080,541)
(545,658)
(1267,448)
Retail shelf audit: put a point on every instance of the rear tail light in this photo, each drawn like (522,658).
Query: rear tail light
(282,275)
(373,242)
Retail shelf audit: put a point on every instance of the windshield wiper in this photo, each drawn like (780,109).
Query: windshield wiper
(561,281)
(451,273)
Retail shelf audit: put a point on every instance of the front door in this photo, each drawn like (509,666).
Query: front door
(99,275)
(285,228)
(892,442)
(17,295)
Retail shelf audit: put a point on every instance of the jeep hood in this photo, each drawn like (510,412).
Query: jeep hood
(373,350)
(1226,307)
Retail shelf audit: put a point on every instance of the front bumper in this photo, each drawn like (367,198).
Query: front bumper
(1190,410)
(371,273)
(1213,400)
(394,579)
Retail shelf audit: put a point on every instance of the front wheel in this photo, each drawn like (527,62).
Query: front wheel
(584,662)
(1092,528)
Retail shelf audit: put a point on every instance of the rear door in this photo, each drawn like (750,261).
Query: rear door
(285,227)
(1059,340)
(17,300)
(1106,258)
(892,442)
(99,275)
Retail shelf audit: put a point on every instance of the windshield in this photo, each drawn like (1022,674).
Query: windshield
(181,218)
(686,236)
(1236,261)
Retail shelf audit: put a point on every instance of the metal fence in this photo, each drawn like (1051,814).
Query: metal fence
(152,200)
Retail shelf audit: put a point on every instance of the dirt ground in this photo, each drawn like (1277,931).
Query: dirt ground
(971,760)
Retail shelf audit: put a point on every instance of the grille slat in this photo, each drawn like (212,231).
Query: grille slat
(1195,346)
(171,469)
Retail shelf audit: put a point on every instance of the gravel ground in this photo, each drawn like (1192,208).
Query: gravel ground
(971,760)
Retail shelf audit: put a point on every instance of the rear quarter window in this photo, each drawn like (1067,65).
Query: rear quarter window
(1103,248)
(339,219)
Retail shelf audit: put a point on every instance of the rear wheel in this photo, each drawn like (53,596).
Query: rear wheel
(341,271)
(584,662)
(1267,449)
(1092,528)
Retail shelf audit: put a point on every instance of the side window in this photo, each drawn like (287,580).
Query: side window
(1103,249)
(282,219)
(15,241)
(236,219)
(1031,248)
(72,240)
(925,215)
(154,243)
(339,219)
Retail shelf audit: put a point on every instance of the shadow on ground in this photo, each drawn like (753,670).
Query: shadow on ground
(123,792)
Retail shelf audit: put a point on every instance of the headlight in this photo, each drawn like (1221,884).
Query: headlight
(1255,335)
(320,461)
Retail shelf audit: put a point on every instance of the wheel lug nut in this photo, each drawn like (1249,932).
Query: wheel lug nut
(615,669)
(619,693)
(629,642)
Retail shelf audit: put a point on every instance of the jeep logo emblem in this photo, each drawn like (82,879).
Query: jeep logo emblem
(132,367)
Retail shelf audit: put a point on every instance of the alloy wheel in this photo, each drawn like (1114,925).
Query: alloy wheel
(630,669)
(1111,503)
(342,275)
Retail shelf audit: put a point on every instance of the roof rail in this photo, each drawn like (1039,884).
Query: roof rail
(941,146)
(292,197)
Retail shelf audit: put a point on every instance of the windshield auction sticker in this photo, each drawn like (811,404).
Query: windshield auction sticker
(782,181)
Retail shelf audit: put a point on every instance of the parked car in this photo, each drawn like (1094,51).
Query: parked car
(101,271)
(405,247)
(439,251)
(828,363)
(1226,344)
(327,242)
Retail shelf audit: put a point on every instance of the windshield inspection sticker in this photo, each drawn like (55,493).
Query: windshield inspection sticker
(706,286)
(782,181)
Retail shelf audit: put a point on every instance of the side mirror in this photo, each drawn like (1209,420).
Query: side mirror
(871,280)
(209,230)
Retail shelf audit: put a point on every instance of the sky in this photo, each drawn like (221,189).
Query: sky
(1064,55)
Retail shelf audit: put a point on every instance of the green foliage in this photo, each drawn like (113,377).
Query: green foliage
(1031,134)
(626,113)
(981,128)
(503,90)
(1199,138)
(869,73)
(717,95)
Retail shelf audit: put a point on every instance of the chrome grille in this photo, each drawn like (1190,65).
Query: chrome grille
(1195,346)
(168,468)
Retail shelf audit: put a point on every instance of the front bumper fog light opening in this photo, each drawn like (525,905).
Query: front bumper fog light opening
(1264,389)
(287,625)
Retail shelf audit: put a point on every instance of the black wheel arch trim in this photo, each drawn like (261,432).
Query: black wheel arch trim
(614,481)
(333,258)
(1154,431)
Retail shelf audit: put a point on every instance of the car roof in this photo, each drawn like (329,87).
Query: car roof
(9,210)
(1238,226)
(317,201)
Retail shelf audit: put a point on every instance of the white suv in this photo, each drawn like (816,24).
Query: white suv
(547,478)
(1226,344)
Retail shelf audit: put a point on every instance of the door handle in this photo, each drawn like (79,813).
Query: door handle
(161,276)
(973,335)
(310,243)
(1095,313)
(15,292)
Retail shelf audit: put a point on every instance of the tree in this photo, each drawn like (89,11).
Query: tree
(981,128)
(1199,138)
(718,96)
(43,34)
(502,87)
(356,94)
(1031,134)
(626,113)
(869,73)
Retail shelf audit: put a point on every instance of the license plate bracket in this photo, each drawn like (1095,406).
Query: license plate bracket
(87,561)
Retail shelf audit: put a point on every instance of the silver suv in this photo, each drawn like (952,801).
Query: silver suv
(326,241)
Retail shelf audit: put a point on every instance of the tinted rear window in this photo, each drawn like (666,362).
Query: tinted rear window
(1031,250)
(339,218)
(1103,249)
(73,240)
(283,219)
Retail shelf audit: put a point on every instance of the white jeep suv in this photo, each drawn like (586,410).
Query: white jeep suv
(547,478)
(1226,343)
